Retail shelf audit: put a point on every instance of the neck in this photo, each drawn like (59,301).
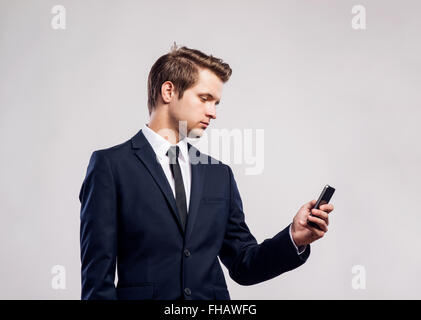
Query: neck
(163,125)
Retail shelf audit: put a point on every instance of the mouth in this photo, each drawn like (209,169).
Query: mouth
(205,124)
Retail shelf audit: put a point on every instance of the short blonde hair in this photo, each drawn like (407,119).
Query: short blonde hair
(181,67)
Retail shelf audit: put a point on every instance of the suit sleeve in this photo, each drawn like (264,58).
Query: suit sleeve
(98,230)
(247,261)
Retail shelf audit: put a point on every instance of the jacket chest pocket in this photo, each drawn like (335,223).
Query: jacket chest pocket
(216,200)
(213,215)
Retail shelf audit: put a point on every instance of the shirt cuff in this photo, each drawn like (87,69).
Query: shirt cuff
(301,249)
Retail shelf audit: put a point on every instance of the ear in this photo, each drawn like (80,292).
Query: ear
(167,91)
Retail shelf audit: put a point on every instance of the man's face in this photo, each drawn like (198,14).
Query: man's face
(198,105)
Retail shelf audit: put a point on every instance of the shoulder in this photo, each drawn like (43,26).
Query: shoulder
(112,154)
(114,150)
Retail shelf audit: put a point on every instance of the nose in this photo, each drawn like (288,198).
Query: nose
(211,111)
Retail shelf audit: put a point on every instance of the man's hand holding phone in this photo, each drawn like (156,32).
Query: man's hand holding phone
(311,221)
(303,233)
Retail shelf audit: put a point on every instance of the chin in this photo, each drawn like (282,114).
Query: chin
(195,133)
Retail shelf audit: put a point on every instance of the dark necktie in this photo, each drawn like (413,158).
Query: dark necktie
(180,193)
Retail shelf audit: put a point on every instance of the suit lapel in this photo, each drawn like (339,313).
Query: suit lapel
(144,151)
(198,180)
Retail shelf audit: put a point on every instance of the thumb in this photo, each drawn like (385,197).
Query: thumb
(310,205)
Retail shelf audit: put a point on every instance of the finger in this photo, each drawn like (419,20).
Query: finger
(321,214)
(315,231)
(320,222)
(310,204)
(327,207)
(306,225)
(318,233)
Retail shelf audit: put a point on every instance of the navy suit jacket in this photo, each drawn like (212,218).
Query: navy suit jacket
(129,219)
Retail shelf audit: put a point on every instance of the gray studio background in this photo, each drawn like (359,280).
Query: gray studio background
(338,106)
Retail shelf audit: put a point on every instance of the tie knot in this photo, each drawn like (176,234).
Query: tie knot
(173,153)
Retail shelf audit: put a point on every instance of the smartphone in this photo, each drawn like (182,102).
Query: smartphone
(324,198)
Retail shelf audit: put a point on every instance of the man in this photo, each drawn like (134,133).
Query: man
(164,219)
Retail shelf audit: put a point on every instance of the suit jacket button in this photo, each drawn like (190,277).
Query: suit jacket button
(187,253)
(187,291)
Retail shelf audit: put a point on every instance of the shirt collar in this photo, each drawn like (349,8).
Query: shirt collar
(161,146)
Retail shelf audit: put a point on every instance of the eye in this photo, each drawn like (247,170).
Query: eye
(203,99)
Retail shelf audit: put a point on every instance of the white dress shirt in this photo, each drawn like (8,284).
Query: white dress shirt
(161,146)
